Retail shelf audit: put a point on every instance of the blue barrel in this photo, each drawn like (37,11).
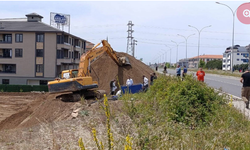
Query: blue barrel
(131,89)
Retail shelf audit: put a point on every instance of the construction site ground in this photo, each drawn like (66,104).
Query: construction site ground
(25,115)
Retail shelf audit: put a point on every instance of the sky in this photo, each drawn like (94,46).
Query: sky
(156,24)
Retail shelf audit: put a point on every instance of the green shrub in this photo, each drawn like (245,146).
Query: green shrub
(189,101)
(23,88)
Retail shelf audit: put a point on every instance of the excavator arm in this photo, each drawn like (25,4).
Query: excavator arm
(79,82)
(86,59)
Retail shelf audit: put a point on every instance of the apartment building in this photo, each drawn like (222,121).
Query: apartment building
(240,56)
(32,52)
(193,62)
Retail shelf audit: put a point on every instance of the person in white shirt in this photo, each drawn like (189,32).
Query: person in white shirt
(145,83)
(129,81)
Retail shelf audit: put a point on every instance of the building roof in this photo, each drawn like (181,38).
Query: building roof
(34,15)
(242,49)
(208,56)
(89,45)
(24,26)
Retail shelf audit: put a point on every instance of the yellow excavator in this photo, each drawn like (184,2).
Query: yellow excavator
(75,83)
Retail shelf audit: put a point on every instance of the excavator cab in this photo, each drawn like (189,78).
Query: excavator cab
(66,74)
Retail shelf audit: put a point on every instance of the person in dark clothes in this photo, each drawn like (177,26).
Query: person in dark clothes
(165,69)
(184,72)
(152,78)
(245,90)
(112,87)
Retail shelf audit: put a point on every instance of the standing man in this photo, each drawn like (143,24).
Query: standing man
(129,81)
(184,72)
(145,83)
(200,75)
(165,69)
(178,71)
(151,78)
(245,90)
(113,87)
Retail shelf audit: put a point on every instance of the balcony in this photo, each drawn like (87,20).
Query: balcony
(77,48)
(5,38)
(7,68)
(5,53)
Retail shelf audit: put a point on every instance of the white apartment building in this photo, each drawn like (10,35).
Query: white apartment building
(240,56)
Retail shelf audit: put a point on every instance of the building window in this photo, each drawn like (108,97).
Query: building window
(5,81)
(238,53)
(70,41)
(39,37)
(62,53)
(7,38)
(19,38)
(66,39)
(43,82)
(76,54)
(18,52)
(59,54)
(39,68)
(238,59)
(39,53)
(5,53)
(59,39)
(7,68)
(244,60)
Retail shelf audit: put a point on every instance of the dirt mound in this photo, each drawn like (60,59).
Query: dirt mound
(27,109)
(104,69)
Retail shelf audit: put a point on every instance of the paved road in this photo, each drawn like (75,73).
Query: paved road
(228,84)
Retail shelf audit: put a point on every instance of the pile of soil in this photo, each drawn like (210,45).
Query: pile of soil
(104,69)
(22,110)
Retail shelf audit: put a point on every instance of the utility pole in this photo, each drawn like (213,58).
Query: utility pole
(130,38)
(133,47)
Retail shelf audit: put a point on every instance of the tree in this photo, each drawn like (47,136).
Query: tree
(167,65)
(214,64)
(202,64)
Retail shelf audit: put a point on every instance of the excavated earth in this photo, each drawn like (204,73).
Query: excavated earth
(22,110)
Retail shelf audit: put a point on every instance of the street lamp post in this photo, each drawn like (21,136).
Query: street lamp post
(170,53)
(199,31)
(177,44)
(166,54)
(233,12)
(186,38)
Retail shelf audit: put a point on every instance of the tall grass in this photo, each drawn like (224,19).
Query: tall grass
(187,114)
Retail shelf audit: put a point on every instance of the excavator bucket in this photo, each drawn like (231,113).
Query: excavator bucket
(124,61)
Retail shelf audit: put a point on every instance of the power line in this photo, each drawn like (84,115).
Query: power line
(100,26)
(181,45)
(191,37)
(188,30)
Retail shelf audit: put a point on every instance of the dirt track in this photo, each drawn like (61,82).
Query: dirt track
(28,109)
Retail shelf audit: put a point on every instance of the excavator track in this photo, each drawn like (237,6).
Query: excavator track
(77,96)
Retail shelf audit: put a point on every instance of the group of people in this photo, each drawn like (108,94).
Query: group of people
(130,82)
(200,73)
